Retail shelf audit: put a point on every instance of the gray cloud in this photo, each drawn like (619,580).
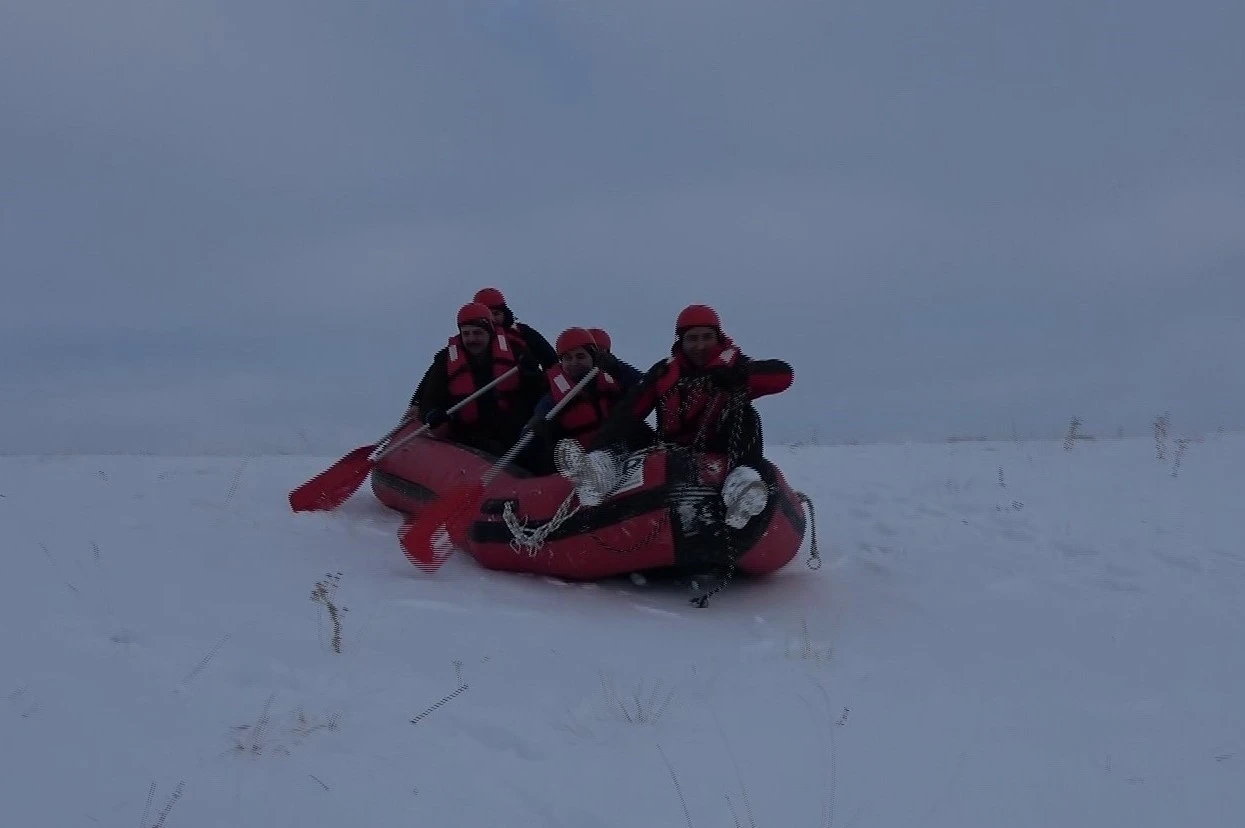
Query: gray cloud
(949,217)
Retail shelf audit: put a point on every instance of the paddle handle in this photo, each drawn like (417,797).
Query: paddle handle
(384,448)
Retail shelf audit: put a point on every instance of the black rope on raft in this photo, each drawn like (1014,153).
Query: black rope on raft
(814,556)
(658,525)
(730,414)
(702,601)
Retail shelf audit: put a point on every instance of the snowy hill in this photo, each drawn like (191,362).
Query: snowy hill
(1003,634)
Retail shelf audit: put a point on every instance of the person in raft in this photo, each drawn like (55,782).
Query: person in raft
(702,394)
(473,358)
(626,374)
(583,416)
(517,332)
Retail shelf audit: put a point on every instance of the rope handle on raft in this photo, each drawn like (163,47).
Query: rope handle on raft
(384,449)
(532,539)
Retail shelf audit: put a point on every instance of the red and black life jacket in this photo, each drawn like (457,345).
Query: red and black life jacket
(584,415)
(514,337)
(462,383)
(680,412)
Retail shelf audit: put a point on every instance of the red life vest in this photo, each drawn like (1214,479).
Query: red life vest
(514,336)
(584,415)
(680,413)
(462,383)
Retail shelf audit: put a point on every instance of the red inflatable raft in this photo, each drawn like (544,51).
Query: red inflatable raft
(666,513)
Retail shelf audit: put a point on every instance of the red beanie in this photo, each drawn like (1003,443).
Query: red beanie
(697,316)
(476,314)
(490,297)
(573,338)
(601,338)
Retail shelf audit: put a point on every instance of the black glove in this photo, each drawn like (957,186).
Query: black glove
(729,377)
(540,427)
(607,362)
(435,417)
(528,364)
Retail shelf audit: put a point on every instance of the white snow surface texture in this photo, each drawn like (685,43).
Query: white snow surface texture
(1003,634)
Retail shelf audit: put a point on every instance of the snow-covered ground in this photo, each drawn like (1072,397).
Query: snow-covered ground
(1003,634)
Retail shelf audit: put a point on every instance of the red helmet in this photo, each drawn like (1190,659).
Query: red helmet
(601,338)
(476,314)
(696,316)
(573,338)
(490,297)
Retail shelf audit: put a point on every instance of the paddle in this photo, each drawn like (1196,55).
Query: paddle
(426,540)
(335,485)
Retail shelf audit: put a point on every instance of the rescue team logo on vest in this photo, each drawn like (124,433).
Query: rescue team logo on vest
(680,413)
(462,381)
(586,412)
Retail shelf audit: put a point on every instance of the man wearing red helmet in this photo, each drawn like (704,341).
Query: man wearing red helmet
(578,353)
(519,334)
(626,374)
(604,344)
(473,358)
(702,394)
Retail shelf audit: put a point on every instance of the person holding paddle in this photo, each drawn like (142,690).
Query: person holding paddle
(702,396)
(578,353)
(521,335)
(626,373)
(474,357)
(478,375)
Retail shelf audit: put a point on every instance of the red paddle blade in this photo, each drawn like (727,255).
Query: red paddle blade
(429,539)
(333,486)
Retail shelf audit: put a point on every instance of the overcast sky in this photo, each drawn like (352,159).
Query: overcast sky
(247,226)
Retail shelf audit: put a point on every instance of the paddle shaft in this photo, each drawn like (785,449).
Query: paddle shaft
(529,433)
(383,448)
(417,534)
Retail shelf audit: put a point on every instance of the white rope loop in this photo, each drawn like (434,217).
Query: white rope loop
(570,461)
(533,539)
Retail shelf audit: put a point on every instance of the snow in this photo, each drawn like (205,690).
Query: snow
(1003,634)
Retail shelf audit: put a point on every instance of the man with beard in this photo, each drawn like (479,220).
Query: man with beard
(702,394)
(473,358)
